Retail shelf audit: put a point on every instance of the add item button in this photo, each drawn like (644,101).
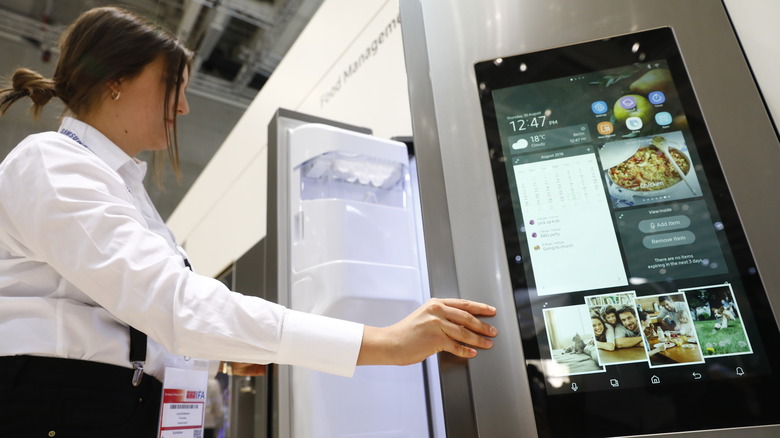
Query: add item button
(669,239)
(664,224)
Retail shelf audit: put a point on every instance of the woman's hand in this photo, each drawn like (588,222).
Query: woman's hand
(438,325)
(242,369)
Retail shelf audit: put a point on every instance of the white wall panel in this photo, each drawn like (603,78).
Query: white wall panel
(223,214)
(756,25)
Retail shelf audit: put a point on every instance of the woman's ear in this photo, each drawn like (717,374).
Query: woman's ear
(115,89)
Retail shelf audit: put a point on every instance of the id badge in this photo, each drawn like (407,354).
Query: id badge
(183,407)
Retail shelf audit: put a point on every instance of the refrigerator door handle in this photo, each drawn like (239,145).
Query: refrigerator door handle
(298,227)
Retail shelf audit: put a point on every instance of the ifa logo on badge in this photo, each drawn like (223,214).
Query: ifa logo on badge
(196,395)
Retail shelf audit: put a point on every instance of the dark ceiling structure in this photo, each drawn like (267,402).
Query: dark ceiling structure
(237,43)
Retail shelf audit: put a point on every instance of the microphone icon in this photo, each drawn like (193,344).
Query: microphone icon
(574,387)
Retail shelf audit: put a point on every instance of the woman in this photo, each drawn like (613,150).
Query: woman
(605,335)
(84,256)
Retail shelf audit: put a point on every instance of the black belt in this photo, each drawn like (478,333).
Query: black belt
(71,372)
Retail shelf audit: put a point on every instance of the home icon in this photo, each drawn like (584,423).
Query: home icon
(655,380)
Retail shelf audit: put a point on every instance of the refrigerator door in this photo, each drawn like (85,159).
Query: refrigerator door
(353,257)
(344,222)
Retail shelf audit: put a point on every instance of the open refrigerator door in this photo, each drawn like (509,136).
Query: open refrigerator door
(350,246)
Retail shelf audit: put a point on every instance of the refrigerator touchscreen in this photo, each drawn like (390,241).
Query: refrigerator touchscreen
(639,303)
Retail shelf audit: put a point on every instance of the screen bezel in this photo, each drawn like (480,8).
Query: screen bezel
(685,404)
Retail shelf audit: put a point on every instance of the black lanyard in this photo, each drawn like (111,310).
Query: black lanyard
(137,354)
(138,347)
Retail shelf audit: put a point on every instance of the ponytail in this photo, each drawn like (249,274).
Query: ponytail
(103,45)
(27,83)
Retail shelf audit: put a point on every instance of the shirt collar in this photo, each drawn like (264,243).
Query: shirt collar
(104,148)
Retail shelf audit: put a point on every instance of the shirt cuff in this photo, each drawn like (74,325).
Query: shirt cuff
(320,343)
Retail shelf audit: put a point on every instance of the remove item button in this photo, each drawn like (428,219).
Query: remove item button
(669,239)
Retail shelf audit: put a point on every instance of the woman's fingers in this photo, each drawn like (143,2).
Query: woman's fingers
(465,327)
(472,307)
(438,325)
(460,350)
(458,328)
(466,336)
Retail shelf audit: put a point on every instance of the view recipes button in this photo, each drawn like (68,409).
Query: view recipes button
(664,240)
(664,224)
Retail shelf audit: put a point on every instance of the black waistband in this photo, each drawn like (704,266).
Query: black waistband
(70,372)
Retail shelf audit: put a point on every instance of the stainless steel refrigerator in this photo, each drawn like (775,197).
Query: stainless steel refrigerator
(577,156)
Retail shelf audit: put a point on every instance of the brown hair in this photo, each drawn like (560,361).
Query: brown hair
(104,45)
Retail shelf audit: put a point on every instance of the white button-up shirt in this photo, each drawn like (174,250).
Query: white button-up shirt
(84,254)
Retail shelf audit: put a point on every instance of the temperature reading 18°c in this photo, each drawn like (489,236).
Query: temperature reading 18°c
(523,123)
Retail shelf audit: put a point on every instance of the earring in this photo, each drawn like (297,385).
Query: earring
(115,95)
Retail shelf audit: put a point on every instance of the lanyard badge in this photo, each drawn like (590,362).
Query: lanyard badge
(183,407)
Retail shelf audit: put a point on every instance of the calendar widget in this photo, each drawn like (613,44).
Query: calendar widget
(568,219)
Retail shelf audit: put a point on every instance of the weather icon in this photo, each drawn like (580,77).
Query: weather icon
(520,144)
